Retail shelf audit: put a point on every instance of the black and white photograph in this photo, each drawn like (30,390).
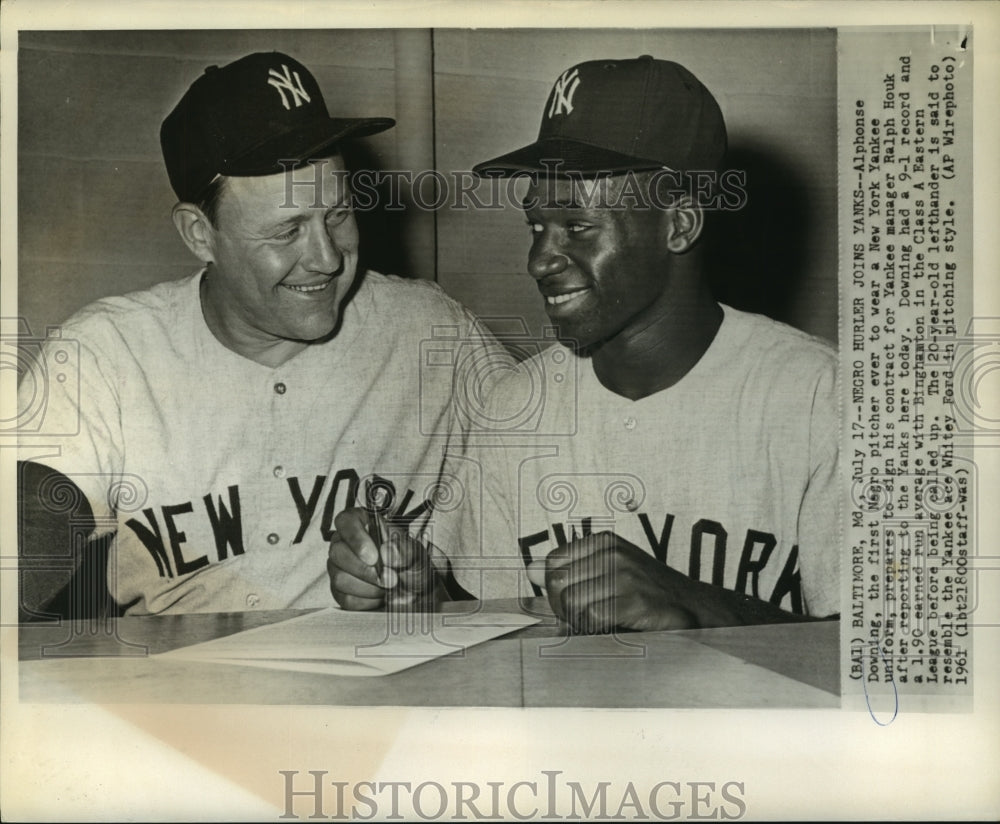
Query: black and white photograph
(550,411)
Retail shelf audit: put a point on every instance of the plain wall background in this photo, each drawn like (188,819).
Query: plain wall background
(94,200)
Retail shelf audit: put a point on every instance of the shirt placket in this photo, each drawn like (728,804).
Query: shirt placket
(277,395)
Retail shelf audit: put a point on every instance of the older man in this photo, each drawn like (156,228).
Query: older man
(689,477)
(222,420)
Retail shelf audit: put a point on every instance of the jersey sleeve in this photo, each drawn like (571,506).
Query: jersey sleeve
(479,533)
(69,419)
(480,537)
(471,503)
(820,526)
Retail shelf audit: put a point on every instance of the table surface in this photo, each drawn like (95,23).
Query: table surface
(108,661)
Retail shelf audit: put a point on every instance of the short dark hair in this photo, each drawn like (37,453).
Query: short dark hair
(208,200)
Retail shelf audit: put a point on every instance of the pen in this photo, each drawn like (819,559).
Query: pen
(378,534)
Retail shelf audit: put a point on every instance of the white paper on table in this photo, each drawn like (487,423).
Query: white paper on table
(338,642)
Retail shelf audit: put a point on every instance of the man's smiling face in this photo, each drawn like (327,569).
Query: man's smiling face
(284,256)
(601,265)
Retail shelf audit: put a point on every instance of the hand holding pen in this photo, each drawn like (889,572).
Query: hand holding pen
(373,562)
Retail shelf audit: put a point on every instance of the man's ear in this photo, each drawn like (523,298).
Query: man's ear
(686,222)
(195,230)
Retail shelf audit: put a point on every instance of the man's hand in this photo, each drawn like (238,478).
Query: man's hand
(408,581)
(601,582)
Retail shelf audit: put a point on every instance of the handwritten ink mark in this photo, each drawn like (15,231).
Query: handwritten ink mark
(895,692)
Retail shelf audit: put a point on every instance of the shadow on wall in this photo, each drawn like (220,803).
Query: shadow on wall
(757,255)
(381,230)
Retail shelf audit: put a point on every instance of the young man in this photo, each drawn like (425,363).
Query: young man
(223,419)
(688,478)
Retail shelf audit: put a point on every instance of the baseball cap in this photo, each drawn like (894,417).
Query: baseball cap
(607,116)
(246,117)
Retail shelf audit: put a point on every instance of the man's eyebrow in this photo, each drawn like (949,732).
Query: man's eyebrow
(532,204)
(292,220)
(297,218)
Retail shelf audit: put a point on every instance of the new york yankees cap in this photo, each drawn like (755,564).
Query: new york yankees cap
(259,115)
(607,116)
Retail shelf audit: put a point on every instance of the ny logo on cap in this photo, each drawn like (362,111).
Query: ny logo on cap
(283,83)
(563,91)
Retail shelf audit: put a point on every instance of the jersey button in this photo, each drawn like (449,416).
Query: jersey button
(629,423)
(273,538)
(279,472)
(280,388)
(253,599)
